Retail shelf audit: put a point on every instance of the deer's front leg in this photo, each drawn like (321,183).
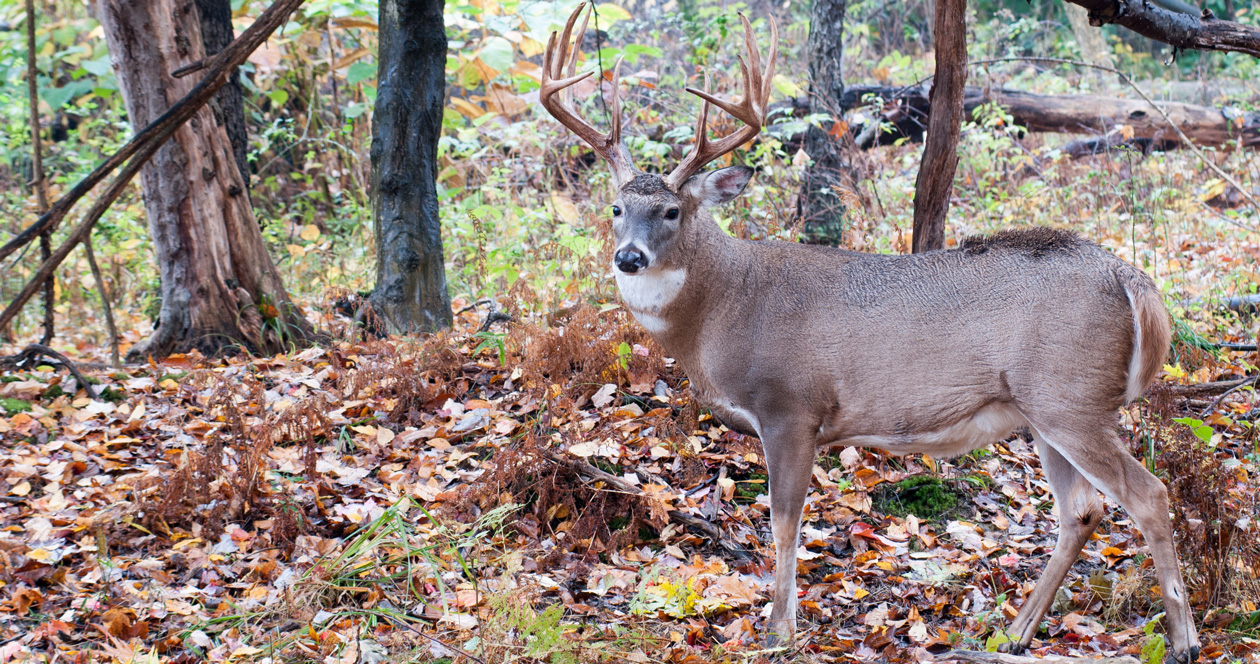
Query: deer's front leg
(789,451)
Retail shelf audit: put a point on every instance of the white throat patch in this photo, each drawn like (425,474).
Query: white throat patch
(651,290)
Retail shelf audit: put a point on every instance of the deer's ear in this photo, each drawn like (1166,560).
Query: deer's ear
(720,186)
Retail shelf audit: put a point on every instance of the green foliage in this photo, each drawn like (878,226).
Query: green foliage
(13,406)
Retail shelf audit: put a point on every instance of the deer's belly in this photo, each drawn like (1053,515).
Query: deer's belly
(986,426)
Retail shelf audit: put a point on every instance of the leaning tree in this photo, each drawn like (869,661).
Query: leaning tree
(220,288)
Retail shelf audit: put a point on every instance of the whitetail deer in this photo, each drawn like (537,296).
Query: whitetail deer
(938,353)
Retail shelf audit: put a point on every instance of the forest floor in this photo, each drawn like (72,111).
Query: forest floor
(442,500)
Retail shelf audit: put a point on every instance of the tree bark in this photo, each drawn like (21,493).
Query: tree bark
(1092,42)
(229,103)
(821,209)
(410,292)
(220,288)
(1184,31)
(935,182)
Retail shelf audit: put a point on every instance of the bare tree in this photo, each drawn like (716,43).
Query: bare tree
(410,292)
(820,205)
(220,288)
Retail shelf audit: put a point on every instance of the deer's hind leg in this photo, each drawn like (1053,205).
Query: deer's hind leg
(1080,511)
(1100,457)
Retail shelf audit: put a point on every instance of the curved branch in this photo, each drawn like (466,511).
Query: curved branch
(1184,31)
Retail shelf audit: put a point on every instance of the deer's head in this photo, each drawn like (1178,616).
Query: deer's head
(652,211)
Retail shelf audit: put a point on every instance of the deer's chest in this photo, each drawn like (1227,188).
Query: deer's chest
(646,295)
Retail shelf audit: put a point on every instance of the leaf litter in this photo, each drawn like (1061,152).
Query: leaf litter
(552,499)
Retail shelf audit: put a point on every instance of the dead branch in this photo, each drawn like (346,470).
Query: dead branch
(160,129)
(33,352)
(1197,390)
(1183,31)
(146,143)
(695,523)
(1003,658)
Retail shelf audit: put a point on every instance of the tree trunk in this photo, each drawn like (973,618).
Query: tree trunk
(229,103)
(410,292)
(935,182)
(821,209)
(1090,40)
(220,289)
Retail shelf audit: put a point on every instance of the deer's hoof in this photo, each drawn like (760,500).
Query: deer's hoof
(1184,657)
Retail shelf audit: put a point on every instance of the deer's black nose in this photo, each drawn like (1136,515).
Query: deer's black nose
(630,260)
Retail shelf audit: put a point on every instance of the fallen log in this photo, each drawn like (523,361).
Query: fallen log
(1003,658)
(907,109)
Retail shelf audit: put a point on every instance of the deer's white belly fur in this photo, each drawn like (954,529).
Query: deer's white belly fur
(647,293)
(985,427)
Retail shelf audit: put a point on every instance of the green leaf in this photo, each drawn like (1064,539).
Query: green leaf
(359,72)
(497,53)
(278,97)
(98,67)
(1153,648)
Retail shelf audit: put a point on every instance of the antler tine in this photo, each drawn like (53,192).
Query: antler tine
(615,119)
(556,60)
(754,57)
(751,109)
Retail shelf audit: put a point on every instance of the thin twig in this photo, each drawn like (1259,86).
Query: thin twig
(109,309)
(1217,401)
(189,69)
(37,169)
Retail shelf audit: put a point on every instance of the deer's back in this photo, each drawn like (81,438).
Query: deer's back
(913,341)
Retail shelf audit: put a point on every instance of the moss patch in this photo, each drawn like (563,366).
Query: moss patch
(925,496)
(14,406)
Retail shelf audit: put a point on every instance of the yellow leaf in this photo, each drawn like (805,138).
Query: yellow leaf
(296,250)
(384,436)
(1126,131)
(310,233)
(467,108)
(610,13)
(566,209)
(40,555)
(21,489)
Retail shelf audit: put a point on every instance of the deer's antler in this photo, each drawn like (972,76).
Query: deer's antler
(751,110)
(554,96)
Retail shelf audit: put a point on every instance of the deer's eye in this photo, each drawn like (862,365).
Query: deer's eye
(671,213)
(616,211)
